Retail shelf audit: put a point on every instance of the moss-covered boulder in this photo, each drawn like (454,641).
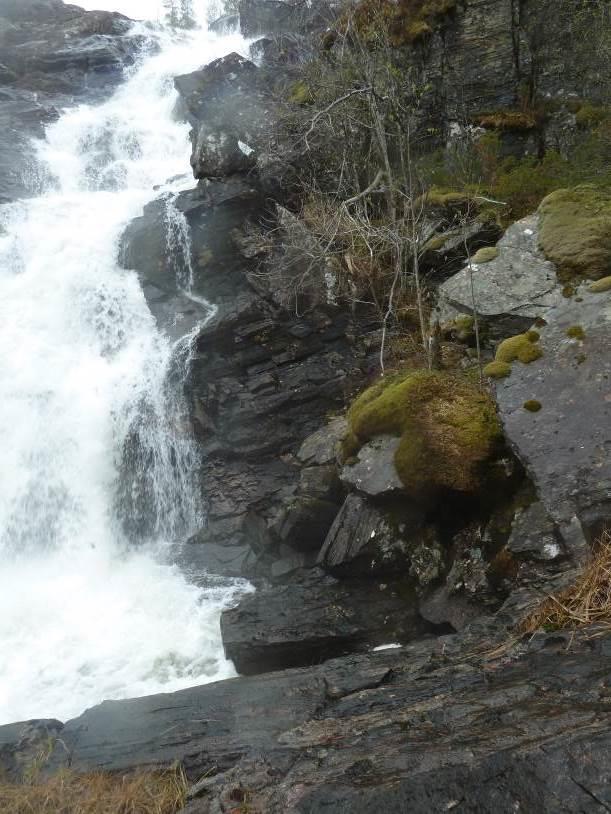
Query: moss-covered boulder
(447,427)
(575,231)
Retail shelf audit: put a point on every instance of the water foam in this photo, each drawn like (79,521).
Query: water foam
(83,615)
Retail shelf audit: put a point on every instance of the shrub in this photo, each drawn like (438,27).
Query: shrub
(145,792)
(586,602)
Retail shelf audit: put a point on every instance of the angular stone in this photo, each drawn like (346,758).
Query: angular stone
(374,472)
(362,541)
(510,291)
(321,447)
(309,617)
(533,535)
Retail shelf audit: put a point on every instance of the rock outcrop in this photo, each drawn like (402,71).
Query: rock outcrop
(76,55)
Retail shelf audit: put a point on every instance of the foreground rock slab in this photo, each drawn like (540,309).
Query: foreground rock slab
(428,728)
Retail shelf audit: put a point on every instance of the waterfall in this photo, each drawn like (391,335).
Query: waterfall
(89,389)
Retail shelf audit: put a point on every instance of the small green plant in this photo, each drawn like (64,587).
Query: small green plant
(532,405)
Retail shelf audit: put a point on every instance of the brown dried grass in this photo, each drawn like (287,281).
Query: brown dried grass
(144,792)
(586,602)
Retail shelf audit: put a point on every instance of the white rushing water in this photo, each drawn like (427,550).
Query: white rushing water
(84,616)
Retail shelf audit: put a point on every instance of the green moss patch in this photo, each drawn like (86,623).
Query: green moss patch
(600,286)
(485,255)
(576,332)
(400,22)
(522,347)
(300,94)
(532,405)
(590,115)
(575,231)
(497,370)
(448,428)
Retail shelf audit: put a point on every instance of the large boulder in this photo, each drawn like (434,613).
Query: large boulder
(230,108)
(309,617)
(556,413)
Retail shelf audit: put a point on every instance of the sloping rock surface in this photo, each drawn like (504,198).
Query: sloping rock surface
(510,291)
(425,728)
(565,446)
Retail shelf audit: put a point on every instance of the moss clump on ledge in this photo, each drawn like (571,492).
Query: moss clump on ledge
(575,231)
(300,94)
(532,405)
(445,199)
(576,332)
(522,347)
(448,428)
(497,370)
(600,286)
(485,255)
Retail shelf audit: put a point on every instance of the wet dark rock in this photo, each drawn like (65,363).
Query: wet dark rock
(321,482)
(311,617)
(363,541)
(230,107)
(421,728)
(321,447)
(24,744)
(305,522)
(226,24)
(266,17)
(534,535)
(446,609)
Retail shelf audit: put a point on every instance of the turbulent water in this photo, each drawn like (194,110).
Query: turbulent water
(84,613)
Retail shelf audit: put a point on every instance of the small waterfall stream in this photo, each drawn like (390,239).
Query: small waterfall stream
(89,388)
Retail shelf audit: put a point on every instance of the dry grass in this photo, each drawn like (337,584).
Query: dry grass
(586,602)
(145,792)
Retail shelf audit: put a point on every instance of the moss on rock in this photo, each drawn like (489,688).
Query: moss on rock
(576,332)
(448,428)
(497,370)
(600,286)
(575,231)
(522,347)
(485,255)
(532,405)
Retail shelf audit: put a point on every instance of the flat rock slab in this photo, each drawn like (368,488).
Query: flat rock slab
(422,729)
(510,291)
(310,616)
(566,446)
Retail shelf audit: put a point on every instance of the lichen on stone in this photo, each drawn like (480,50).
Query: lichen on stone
(485,255)
(576,332)
(575,231)
(448,428)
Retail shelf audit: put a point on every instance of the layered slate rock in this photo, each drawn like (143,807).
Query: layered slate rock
(511,290)
(309,617)
(429,727)
(565,445)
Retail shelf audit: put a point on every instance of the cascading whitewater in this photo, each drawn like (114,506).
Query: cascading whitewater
(86,381)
